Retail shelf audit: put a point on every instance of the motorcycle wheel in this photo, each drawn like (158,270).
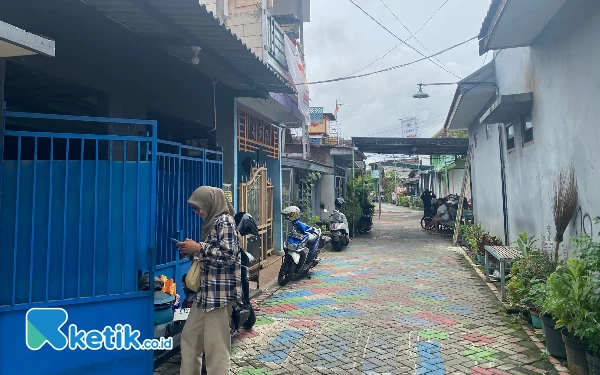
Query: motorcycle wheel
(337,246)
(425,221)
(248,324)
(287,271)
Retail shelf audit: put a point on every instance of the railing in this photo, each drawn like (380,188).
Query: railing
(181,170)
(77,209)
(276,43)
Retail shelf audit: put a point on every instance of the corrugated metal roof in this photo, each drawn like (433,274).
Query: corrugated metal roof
(178,25)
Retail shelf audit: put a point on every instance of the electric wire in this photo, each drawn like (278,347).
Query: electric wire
(388,69)
(397,37)
(399,44)
(418,41)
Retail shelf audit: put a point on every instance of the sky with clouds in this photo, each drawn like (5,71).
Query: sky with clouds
(340,39)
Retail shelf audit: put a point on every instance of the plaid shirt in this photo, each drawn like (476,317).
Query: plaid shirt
(221,277)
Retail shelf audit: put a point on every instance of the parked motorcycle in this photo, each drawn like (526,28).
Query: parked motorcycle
(301,247)
(338,226)
(243,313)
(365,223)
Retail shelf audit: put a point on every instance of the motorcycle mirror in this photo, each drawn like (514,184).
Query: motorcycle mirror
(324,210)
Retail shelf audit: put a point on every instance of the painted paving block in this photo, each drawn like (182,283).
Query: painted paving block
(279,349)
(430,359)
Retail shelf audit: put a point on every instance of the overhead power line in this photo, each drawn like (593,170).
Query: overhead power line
(390,68)
(433,15)
(397,37)
(399,44)
(418,41)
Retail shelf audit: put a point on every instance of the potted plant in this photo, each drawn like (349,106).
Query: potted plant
(589,252)
(569,302)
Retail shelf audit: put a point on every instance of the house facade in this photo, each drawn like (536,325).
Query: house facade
(533,113)
(101,146)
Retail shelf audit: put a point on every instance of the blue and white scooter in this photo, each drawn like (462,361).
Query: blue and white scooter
(301,247)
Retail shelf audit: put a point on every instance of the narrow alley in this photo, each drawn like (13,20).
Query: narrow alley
(399,301)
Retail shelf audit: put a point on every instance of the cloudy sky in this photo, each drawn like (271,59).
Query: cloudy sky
(340,39)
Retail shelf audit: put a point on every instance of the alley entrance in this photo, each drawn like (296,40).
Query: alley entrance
(399,301)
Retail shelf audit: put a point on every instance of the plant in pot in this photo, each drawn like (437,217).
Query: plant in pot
(569,301)
(588,251)
(487,240)
(526,288)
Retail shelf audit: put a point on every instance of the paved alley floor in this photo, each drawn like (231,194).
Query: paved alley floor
(399,301)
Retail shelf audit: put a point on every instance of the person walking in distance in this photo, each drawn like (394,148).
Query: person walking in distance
(207,326)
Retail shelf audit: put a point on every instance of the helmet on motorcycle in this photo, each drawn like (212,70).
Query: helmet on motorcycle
(292,213)
(339,202)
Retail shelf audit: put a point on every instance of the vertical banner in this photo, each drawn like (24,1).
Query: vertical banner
(409,128)
(298,76)
(228,192)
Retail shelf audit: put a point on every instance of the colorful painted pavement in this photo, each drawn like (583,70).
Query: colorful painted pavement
(397,302)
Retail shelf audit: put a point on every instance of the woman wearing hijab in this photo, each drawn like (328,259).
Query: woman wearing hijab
(207,326)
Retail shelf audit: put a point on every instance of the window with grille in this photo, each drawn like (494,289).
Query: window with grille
(527,126)
(510,137)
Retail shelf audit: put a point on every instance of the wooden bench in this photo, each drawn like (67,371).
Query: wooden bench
(447,226)
(503,254)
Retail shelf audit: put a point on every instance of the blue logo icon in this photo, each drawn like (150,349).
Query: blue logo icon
(42,325)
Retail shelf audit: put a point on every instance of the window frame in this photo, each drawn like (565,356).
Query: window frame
(524,132)
(509,138)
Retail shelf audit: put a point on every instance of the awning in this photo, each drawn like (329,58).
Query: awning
(278,109)
(515,23)
(17,42)
(472,98)
(507,108)
(306,165)
(181,26)
(413,146)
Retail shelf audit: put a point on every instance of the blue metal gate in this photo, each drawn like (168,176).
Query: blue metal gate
(77,219)
(181,169)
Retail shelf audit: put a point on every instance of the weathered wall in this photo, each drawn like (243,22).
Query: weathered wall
(560,70)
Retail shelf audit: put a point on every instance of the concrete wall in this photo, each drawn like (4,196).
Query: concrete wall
(327,188)
(560,70)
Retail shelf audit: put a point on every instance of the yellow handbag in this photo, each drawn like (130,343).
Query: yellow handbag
(194,276)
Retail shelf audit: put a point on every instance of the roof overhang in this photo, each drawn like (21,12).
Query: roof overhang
(347,153)
(515,23)
(280,109)
(413,146)
(471,97)
(187,29)
(508,107)
(15,42)
(306,165)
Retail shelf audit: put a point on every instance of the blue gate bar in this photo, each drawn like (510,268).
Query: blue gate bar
(35,141)
(65,220)
(16,221)
(124,236)
(49,219)
(80,217)
(110,179)
(95,220)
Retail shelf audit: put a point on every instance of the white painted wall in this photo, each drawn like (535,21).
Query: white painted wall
(562,73)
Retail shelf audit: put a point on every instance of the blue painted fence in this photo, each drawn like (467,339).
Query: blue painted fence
(84,212)
(181,169)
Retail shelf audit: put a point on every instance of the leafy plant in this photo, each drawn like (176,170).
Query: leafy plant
(569,299)
(525,244)
(356,197)
(526,287)
(487,240)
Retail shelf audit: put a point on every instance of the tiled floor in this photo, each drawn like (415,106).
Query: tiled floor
(395,302)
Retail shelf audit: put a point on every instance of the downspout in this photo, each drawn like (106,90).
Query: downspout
(503,178)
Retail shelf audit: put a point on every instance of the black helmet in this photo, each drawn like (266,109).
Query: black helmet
(339,202)
(246,224)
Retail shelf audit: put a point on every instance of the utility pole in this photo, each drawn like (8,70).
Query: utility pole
(353,187)
(379,192)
